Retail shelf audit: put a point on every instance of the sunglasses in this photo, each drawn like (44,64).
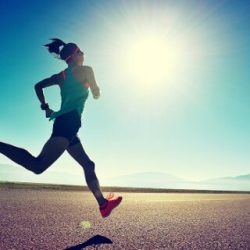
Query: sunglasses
(79,52)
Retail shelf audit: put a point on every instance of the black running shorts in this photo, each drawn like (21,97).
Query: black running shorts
(67,126)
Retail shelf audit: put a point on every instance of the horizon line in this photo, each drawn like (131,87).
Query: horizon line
(66,187)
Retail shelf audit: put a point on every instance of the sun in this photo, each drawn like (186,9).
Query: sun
(150,60)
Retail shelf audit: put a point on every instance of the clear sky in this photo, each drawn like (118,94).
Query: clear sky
(174,77)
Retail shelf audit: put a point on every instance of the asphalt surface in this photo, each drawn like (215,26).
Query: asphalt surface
(37,219)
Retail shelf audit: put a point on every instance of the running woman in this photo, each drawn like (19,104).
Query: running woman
(74,83)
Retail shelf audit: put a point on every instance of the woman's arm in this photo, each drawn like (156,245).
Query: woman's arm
(92,82)
(53,80)
(85,74)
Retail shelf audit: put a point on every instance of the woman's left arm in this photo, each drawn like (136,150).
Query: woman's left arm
(92,83)
(85,74)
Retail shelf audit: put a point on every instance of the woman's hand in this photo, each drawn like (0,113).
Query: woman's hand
(48,112)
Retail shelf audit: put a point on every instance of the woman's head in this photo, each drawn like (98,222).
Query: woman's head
(69,52)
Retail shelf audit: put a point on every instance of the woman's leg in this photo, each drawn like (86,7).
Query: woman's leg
(51,151)
(78,153)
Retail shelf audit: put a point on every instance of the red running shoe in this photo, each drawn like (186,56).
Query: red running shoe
(111,203)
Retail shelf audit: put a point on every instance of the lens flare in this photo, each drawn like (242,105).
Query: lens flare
(85,224)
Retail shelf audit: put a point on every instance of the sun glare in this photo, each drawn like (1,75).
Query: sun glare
(150,60)
(154,54)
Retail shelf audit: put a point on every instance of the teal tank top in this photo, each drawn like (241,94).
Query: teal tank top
(73,95)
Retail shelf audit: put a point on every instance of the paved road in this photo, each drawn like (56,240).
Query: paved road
(36,219)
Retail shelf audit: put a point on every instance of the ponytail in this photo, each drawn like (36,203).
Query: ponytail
(65,53)
(54,47)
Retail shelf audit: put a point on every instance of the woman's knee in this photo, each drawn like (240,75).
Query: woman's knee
(39,166)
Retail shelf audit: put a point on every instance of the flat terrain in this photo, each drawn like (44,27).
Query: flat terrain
(52,219)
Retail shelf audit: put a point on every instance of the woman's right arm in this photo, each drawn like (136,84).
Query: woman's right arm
(53,80)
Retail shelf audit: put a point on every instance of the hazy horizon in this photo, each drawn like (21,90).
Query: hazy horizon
(155,180)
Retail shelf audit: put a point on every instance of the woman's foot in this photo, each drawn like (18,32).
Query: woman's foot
(109,205)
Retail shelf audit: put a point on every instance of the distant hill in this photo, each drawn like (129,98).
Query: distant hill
(136,180)
(146,179)
(235,183)
(240,177)
(163,180)
(231,178)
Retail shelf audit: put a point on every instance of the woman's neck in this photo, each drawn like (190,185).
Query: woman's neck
(72,65)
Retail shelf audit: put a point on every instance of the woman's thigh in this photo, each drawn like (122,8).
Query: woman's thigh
(52,150)
(78,153)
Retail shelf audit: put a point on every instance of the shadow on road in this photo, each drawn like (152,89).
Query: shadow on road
(94,241)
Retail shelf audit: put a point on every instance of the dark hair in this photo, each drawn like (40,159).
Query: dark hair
(67,50)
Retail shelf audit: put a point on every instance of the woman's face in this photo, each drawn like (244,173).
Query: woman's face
(78,57)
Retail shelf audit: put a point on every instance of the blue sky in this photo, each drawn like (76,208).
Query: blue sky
(193,122)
